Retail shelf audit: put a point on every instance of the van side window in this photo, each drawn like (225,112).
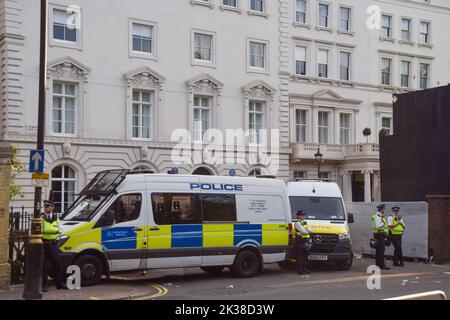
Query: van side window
(125,208)
(176,208)
(219,207)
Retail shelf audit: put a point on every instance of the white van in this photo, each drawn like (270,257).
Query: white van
(124,221)
(326,215)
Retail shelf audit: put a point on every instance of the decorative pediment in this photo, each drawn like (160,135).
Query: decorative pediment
(144,77)
(259,89)
(205,83)
(327,95)
(68,67)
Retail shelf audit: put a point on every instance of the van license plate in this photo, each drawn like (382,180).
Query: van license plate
(318,258)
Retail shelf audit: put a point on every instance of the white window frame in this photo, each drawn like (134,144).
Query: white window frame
(429,43)
(137,54)
(330,16)
(391,129)
(349,129)
(204,139)
(307,13)
(264,4)
(266,68)
(204,63)
(411,28)
(329,127)
(328,50)
(411,68)
(262,135)
(65,179)
(151,104)
(62,43)
(237,8)
(350,65)
(391,77)
(350,19)
(391,27)
(420,62)
(75,96)
(306,125)
(207,3)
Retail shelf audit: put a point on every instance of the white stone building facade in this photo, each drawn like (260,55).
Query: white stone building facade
(131,73)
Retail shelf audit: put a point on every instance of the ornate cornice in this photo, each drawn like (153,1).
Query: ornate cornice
(68,67)
(144,77)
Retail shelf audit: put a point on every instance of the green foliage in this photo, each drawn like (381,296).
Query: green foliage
(367,132)
(16,169)
(383,133)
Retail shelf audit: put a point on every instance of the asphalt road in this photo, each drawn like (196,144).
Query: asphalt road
(273,284)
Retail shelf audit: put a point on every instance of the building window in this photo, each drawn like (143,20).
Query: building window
(386,124)
(203,47)
(386,65)
(142,38)
(201,118)
(301,125)
(65,25)
(300,60)
(322,71)
(344,66)
(299,175)
(424,32)
(324,127)
(300,11)
(257,5)
(405,27)
(142,114)
(230,3)
(344,19)
(255,173)
(63,188)
(256,122)
(177,208)
(324,175)
(257,55)
(64,108)
(405,74)
(324,12)
(386,26)
(424,75)
(345,128)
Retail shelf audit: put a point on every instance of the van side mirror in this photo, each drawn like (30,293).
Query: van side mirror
(350,218)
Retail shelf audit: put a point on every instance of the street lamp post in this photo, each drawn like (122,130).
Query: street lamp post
(35,248)
(319,158)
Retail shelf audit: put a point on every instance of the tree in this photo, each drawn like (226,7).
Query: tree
(383,133)
(367,132)
(16,169)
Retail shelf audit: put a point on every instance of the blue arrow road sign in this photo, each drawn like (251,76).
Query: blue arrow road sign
(37,161)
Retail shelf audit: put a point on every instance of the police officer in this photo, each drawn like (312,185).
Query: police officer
(50,232)
(396,230)
(302,235)
(380,233)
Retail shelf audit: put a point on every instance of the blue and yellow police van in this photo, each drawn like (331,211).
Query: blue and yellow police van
(130,221)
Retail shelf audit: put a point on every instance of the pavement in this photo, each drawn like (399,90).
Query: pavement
(274,283)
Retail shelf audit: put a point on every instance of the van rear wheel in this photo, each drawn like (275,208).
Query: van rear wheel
(213,270)
(247,264)
(91,268)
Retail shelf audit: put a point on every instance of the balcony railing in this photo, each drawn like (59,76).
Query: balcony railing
(336,151)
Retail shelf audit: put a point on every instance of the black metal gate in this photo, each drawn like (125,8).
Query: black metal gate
(19,230)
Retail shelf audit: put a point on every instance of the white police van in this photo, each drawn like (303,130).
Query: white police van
(326,215)
(125,221)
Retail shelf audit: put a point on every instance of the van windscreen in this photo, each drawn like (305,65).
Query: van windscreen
(318,208)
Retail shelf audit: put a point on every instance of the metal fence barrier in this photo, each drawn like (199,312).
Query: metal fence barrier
(416,296)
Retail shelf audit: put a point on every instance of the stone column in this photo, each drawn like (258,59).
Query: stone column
(347,186)
(367,187)
(438,227)
(5,268)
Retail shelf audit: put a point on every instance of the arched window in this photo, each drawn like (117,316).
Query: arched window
(144,168)
(202,172)
(255,173)
(63,187)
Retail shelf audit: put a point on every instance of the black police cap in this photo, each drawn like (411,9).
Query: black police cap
(48,203)
(381,206)
(395,208)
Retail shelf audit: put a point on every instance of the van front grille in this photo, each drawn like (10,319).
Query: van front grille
(324,243)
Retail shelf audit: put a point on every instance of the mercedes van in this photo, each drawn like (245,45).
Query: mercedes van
(125,221)
(326,215)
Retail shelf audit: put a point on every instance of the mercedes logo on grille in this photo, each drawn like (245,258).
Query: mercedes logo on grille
(318,239)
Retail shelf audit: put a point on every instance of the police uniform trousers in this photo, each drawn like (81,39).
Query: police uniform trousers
(398,252)
(381,245)
(302,254)
(52,266)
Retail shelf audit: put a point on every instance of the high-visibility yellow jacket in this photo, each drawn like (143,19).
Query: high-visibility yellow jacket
(50,230)
(375,229)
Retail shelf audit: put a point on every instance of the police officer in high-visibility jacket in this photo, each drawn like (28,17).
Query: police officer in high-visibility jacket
(380,233)
(302,235)
(50,233)
(396,231)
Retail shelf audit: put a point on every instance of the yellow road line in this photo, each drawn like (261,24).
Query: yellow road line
(161,292)
(348,279)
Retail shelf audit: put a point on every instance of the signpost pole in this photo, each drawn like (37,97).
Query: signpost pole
(35,248)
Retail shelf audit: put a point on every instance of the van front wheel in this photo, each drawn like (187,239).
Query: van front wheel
(345,265)
(247,264)
(91,268)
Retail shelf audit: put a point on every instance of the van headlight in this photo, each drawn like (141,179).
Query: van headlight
(344,236)
(62,240)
